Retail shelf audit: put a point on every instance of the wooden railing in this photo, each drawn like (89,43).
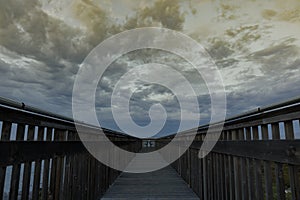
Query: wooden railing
(41,156)
(256,157)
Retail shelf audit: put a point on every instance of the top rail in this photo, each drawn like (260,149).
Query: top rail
(18,112)
(282,111)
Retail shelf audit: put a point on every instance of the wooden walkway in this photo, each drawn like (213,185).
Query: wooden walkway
(161,184)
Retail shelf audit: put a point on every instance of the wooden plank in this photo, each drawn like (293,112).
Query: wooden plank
(267,168)
(205,178)
(53,169)
(200,177)
(264,132)
(45,183)
(231,177)
(210,176)
(248,133)
(226,177)
(255,133)
(214,176)
(289,131)
(249,168)
(37,169)
(268,180)
(93,178)
(75,183)
(161,184)
(61,135)
(6,130)
(188,171)
(282,151)
(275,131)
(5,135)
(12,152)
(280,188)
(244,187)
(250,177)
(294,181)
(222,175)
(293,171)
(27,167)
(258,179)
(15,178)
(237,178)
(68,173)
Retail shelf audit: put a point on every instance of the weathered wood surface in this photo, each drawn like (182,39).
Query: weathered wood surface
(161,184)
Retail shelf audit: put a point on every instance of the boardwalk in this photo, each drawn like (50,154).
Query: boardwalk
(162,184)
(256,157)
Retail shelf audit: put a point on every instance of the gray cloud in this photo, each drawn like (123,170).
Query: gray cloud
(40,56)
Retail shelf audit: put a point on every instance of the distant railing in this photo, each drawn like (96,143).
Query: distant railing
(41,156)
(256,157)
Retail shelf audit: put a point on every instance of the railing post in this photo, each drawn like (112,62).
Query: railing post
(5,136)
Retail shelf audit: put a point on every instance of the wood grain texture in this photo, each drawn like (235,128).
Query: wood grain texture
(161,184)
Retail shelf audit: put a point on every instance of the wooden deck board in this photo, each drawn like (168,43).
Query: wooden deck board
(161,184)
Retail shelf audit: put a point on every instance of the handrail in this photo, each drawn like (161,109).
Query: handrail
(246,115)
(11,104)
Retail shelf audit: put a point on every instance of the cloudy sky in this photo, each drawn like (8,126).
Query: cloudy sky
(255,44)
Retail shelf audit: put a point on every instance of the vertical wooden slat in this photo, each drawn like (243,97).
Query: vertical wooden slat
(60,137)
(200,177)
(93,178)
(255,133)
(293,171)
(46,169)
(250,178)
(267,167)
(289,131)
(294,181)
(257,169)
(258,180)
(231,177)
(76,183)
(84,176)
(205,178)
(5,135)
(244,168)
(68,172)
(53,168)
(27,167)
(275,131)
(248,133)
(222,175)
(80,182)
(211,176)
(279,181)
(227,175)
(249,167)
(37,169)
(215,176)
(278,166)
(237,178)
(15,178)
(189,166)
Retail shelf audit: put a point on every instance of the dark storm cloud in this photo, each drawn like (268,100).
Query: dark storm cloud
(40,56)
